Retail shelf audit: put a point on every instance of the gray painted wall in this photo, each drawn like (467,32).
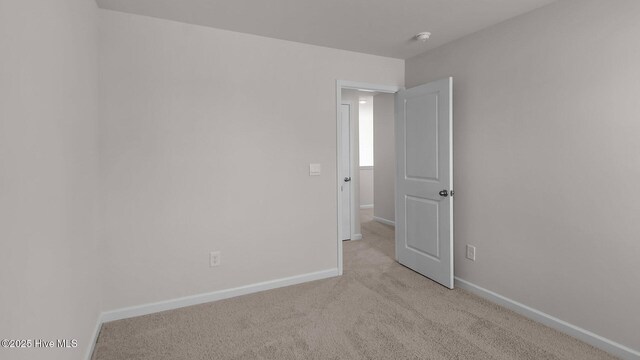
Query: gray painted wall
(207,137)
(546,159)
(366,186)
(49,264)
(385,156)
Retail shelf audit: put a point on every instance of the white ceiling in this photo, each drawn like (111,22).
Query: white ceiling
(380,27)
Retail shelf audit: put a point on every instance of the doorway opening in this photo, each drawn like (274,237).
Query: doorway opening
(356,149)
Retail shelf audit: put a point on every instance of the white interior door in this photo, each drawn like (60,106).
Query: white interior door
(345,171)
(424,180)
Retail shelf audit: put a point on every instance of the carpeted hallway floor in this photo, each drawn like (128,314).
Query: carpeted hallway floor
(377,310)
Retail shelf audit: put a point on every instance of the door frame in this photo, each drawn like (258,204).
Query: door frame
(349,85)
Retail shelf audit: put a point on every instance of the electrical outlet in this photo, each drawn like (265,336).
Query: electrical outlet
(471,252)
(214,258)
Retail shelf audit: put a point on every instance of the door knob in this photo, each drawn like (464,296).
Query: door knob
(444,193)
(347,179)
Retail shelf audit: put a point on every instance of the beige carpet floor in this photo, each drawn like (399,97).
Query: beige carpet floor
(377,310)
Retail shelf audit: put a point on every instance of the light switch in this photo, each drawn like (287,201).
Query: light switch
(314,169)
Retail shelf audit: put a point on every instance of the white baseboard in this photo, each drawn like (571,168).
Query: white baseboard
(370,206)
(384,221)
(587,336)
(214,296)
(94,338)
(151,308)
(356,237)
